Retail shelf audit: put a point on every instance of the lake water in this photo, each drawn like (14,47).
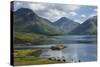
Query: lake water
(80,47)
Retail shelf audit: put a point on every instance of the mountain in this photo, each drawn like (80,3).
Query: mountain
(25,20)
(66,24)
(89,27)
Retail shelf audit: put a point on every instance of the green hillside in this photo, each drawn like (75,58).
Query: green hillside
(21,37)
(89,27)
(25,20)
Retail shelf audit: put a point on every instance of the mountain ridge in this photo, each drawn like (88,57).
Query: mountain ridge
(26,20)
(65,24)
(88,27)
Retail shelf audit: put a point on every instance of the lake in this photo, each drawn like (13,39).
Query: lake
(81,47)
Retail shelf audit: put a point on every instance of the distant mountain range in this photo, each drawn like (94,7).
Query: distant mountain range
(66,24)
(89,27)
(25,20)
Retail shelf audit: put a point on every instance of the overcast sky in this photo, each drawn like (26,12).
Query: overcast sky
(53,12)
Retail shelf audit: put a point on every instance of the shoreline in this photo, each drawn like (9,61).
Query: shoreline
(31,56)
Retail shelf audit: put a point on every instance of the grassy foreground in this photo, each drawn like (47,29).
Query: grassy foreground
(21,37)
(30,57)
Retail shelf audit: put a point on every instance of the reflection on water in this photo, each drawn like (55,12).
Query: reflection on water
(69,39)
(52,53)
(81,48)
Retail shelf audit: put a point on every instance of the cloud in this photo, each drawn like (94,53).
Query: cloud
(73,7)
(95,10)
(40,6)
(35,6)
(73,13)
(49,11)
(18,4)
(79,21)
(53,14)
(83,15)
(93,14)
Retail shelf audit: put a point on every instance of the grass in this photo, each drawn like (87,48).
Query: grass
(30,57)
(21,37)
(32,60)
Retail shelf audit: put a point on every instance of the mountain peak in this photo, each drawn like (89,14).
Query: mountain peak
(66,24)
(89,27)
(25,11)
(25,20)
(64,19)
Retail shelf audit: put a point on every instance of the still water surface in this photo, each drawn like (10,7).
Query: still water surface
(80,47)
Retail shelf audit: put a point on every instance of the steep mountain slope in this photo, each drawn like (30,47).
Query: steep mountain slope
(25,20)
(65,24)
(89,27)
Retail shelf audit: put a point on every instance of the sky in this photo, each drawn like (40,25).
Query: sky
(53,12)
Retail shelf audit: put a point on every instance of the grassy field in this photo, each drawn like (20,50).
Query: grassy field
(21,37)
(31,57)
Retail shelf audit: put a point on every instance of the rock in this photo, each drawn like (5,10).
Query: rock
(58,47)
(28,44)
